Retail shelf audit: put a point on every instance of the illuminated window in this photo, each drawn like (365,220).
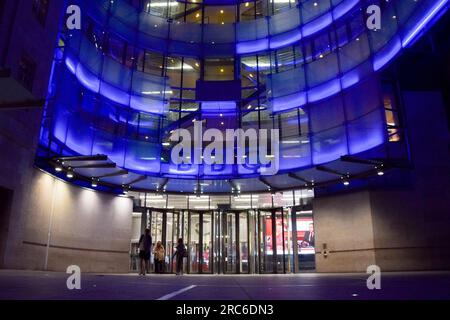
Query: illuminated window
(391,118)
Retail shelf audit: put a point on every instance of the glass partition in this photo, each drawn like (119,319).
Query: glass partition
(194,243)
(229,241)
(244,259)
(207,243)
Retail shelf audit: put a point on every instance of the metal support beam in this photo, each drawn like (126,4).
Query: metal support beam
(325,169)
(263,180)
(96,166)
(297,177)
(163,185)
(361,161)
(114,174)
(141,178)
(98,157)
(232,184)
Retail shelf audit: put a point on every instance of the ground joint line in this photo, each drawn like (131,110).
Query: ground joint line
(173,294)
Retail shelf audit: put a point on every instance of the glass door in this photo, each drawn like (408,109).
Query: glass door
(157,231)
(267,249)
(172,235)
(207,242)
(280,240)
(194,242)
(229,242)
(243,240)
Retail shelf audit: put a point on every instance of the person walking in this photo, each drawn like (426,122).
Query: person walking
(180,253)
(159,254)
(145,246)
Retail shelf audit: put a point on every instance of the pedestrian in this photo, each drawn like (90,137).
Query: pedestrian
(145,245)
(159,254)
(180,253)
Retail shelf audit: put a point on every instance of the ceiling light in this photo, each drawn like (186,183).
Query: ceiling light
(380,170)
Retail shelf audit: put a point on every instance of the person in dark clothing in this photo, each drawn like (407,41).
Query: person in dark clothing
(145,247)
(180,253)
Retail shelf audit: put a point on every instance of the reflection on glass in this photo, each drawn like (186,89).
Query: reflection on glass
(230,242)
(207,243)
(266,242)
(243,243)
(170,240)
(194,243)
(156,232)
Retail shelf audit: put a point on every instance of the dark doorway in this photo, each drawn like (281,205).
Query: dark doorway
(6,196)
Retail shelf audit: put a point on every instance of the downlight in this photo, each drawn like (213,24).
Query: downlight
(69,173)
(94,183)
(345,180)
(380,171)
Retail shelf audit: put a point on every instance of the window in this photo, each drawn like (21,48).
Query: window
(391,118)
(40,10)
(26,72)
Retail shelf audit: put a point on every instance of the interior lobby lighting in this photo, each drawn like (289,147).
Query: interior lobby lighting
(58,168)
(163,4)
(69,174)
(94,183)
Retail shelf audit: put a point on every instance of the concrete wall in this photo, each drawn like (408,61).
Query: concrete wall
(344,224)
(22,34)
(396,228)
(412,227)
(87,228)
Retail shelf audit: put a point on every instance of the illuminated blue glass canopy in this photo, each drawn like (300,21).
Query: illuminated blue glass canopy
(326,106)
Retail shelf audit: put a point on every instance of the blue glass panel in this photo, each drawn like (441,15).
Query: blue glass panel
(114,94)
(366,132)
(79,136)
(113,146)
(143,156)
(329,145)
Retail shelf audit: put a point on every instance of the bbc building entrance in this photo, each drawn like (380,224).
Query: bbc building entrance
(232,241)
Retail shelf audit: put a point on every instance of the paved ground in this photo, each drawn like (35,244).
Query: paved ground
(52,285)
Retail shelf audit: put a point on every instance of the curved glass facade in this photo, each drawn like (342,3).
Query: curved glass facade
(133,74)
